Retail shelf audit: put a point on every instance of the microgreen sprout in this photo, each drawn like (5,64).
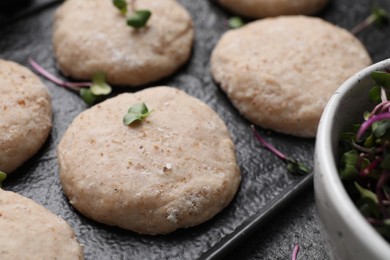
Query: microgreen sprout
(137,19)
(293,166)
(90,92)
(378,16)
(235,22)
(121,5)
(138,112)
(295,252)
(3,176)
(365,162)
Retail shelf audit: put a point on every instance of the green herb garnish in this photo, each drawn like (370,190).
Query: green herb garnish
(378,16)
(88,97)
(293,166)
(3,176)
(121,5)
(235,22)
(139,18)
(98,89)
(365,161)
(90,92)
(381,78)
(137,112)
(99,86)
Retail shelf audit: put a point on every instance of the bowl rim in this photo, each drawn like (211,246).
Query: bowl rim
(340,199)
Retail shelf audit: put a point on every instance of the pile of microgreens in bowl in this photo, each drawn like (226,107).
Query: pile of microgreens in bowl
(365,161)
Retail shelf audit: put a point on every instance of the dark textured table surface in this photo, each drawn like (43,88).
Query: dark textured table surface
(25,34)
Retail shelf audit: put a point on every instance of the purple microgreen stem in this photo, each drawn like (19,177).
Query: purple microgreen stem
(370,121)
(386,106)
(293,166)
(72,85)
(267,145)
(381,107)
(362,148)
(295,252)
(370,167)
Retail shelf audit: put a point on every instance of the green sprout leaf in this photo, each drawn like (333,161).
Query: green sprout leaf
(98,89)
(137,112)
(296,168)
(369,142)
(99,86)
(235,22)
(3,176)
(381,78)
(370,198)
(348,136)
(375,94)
(349,171)
(380,15)
(366,115)
(381,128)
(139,18)
(88,97)
(121,5)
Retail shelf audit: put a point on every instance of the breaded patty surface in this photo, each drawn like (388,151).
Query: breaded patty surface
(280,72)
(175,169)
(92,36)
(25,121)
(29,231)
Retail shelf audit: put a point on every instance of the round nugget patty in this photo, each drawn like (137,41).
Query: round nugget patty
(280,72)
(267,8)
(29,231)
(92,36)
(26,112)
(175,169)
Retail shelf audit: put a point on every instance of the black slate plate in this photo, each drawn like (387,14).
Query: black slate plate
(265,187)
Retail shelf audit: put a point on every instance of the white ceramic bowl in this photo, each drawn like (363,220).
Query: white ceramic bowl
(347,233)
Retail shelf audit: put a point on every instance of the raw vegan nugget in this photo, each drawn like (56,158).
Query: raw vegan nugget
(25,120)
(175,169)
(29,231)
(280,72)
(92,36)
